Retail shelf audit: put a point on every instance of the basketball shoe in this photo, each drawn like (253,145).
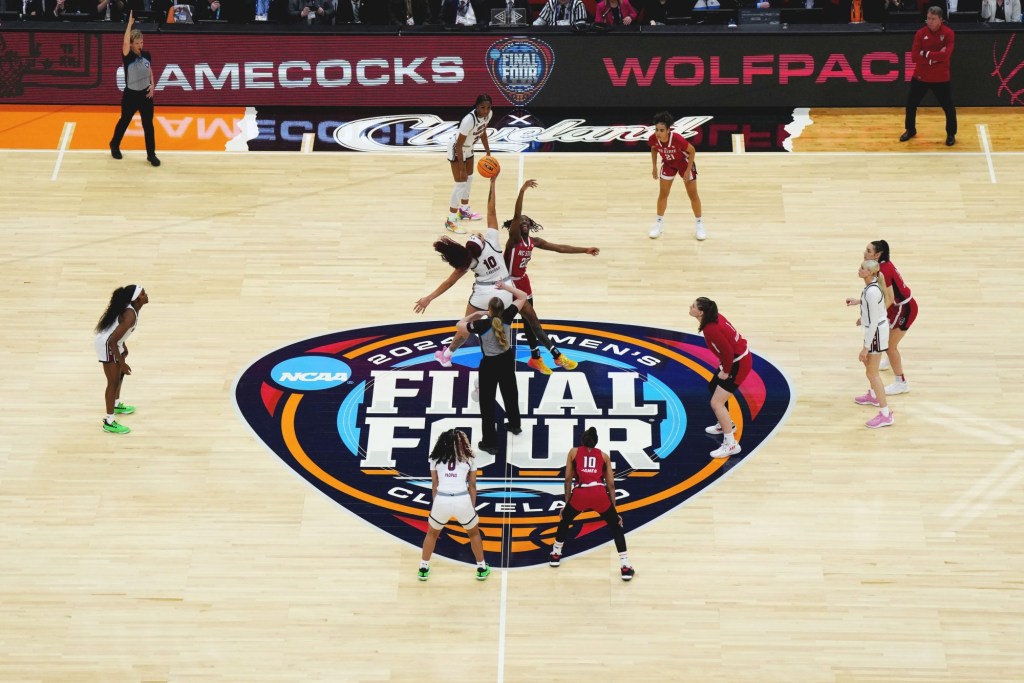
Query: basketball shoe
(700,233)
(900,386)
(423,574)
(443,358)
(467,214)
(539,365)
(483,572)
(628,573)
(867,399)
(124,409)
(554,560)
(115,428)
(655,232)
(880,420)
(716,429)
(726,449)
(453,226)
(563,361)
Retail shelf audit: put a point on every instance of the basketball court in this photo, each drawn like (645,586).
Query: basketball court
(188,551)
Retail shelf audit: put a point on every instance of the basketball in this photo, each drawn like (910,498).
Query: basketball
(488,167)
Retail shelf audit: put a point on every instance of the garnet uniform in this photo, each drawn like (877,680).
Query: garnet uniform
(675,157)
(590,492)
(903,310)
(731,349)
(517,257)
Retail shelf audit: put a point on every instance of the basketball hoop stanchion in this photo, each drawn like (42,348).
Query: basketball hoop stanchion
(856,13)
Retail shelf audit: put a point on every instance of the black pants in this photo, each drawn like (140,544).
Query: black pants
(943,93)
(611,520)
(498,372)
(136,101)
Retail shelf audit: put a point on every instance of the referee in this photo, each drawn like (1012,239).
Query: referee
(138,92)
(498,363)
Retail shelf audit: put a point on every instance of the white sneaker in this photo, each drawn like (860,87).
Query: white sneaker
(884,365)
(700,234)
(655,232)
(716,429)
(897,387)
(726,450)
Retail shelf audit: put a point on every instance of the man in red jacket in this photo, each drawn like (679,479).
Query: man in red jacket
(932,50)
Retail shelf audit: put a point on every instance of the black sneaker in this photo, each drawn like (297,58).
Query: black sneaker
(114,151)
(493,450)
(554,560)
(515,430)
(627,573)
(153,160)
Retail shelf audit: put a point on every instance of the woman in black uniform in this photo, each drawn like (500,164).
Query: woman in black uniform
(138,92)
(498,363)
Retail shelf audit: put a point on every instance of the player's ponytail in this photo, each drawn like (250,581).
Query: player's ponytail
(119,300)
(882,249)
(496,307)
(590,437)
(709,311)
(873,267)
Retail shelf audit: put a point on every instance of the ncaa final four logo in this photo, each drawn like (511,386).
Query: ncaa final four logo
(356,413)
(520,67)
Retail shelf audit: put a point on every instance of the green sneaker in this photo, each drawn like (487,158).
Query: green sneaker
(115,428)
(424,574)
(483,572)
(123,409)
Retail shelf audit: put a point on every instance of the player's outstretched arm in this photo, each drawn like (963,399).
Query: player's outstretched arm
(492,210)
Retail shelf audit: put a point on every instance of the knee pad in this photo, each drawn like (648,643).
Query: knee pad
(467,186)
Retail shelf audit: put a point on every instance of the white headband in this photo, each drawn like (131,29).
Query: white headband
(137,292)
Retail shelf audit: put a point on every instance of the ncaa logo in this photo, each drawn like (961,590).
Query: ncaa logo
(520,67)
(364,440)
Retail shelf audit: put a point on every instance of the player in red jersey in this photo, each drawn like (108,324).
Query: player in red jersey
(734,366)
(678,157)
(902,312)
(518,252)
(594,490)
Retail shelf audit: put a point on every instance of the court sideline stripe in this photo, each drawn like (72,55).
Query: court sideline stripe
(983,136)
(65,142)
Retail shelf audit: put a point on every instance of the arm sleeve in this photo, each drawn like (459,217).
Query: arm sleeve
(579,11)
(915,51)
(480,325)
(510,314)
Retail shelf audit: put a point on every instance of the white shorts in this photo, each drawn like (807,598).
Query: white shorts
(481,297)
(467,153)
(460,507)
(102,352)
(880,341)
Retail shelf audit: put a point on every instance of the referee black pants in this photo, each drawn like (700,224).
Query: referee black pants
(498,372)
(136,101)
(943,93)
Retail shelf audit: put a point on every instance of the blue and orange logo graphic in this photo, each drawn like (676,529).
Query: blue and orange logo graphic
(356,413)
(520,67)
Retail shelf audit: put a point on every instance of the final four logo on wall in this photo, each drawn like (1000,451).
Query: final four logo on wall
(520,67)
(356,413)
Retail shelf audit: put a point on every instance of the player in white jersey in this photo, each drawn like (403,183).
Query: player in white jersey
(874,300)
(482,254)
(472,128)
(453,485)
(115,326)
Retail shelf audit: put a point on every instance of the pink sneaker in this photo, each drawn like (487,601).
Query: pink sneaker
(469,215)
(866,400)
(444,359)
(879,420)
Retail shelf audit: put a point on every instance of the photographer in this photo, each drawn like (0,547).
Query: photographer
(312,11)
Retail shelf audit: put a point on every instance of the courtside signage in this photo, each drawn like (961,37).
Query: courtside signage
(356,412)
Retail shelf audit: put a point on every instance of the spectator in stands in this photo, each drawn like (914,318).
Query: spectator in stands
(63,7)
(110,10)
(562,13)
(210,9)
(349,12)
(463,13)
(1000,10)
(312,11)
(407,12)
(931,51)
(656,12)
(33,10)
(618,12)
